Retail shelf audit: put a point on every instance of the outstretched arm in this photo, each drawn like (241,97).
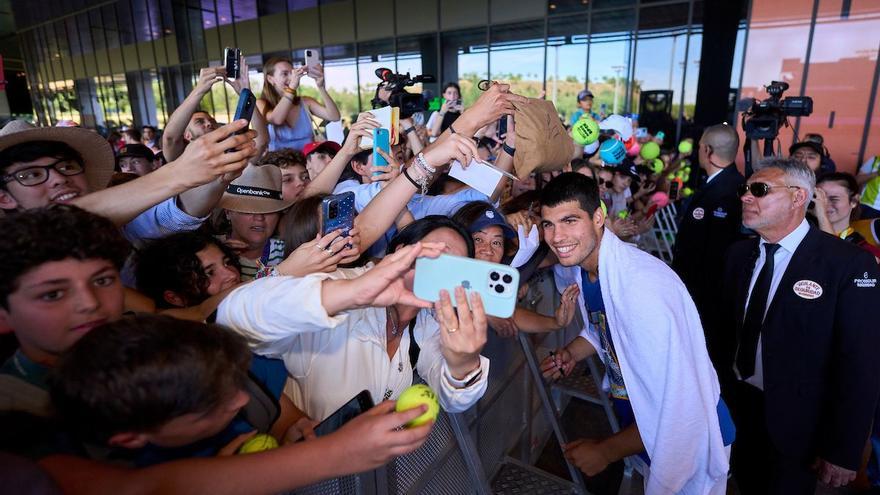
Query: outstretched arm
(173,141)
(202,162)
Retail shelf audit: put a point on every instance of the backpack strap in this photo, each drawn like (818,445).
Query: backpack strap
(262,410)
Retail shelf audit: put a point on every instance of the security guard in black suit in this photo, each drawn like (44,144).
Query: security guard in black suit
(710,223)
(803,341)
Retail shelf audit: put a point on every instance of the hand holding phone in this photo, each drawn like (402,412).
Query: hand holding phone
(354,407)
(247,102)
(337,213)
(312,58)
(381,141)
(497,284)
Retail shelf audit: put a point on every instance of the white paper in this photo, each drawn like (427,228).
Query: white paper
(478,175)
(334,132)
(383,116)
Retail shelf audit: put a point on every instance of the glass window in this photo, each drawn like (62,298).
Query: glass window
(465,58)
(610,54)
(843,59)
(373,55)
(517,56)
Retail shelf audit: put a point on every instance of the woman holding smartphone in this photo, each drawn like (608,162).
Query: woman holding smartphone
(449,111)
(288,114)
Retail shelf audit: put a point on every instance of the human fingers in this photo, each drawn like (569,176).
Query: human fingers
(465,321)
(326,240)
(477,314)
(446,313)
(236,443)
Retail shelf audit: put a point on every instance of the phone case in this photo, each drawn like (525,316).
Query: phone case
(232,59)
(497,284)
(359,404)
(245,109)
(380,141)
(312,57)
(337,212)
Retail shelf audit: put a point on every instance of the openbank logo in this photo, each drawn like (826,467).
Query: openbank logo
(252,192)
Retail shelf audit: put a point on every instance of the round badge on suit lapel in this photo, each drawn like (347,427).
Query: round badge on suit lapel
(807,289)
(699,213)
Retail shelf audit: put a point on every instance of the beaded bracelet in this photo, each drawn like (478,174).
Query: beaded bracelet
(423,164)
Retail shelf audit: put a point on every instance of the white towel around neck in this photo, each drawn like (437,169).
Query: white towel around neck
(672,386)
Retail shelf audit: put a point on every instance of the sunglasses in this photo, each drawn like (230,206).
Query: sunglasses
(759,189)
(602,181)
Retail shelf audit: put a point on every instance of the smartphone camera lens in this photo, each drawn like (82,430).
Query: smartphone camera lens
(333,211)
(499,288)
(494,276)
(507,279)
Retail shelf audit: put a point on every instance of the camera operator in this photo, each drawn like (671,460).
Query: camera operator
(449,111)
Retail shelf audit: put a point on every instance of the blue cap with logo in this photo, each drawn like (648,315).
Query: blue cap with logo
(489,218)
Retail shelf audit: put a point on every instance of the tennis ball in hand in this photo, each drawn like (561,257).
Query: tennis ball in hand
(656,165)
(415,396)
(258,443)
(585,131)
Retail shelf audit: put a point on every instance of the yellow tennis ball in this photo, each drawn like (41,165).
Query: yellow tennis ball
(687,191)
(258,443)
(585,131)
(650,150)
(685,147)
(415,396)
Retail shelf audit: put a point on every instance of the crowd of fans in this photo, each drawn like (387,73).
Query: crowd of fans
(168,294)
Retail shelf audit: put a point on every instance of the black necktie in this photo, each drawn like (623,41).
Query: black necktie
(745,358)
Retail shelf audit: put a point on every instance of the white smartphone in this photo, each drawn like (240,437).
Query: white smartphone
(313,58)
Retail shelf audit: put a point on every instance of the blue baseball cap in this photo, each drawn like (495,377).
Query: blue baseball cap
(583,95)
(492,217)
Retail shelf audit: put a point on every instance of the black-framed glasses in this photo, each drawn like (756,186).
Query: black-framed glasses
(759,189)
(602,181)
(34,176)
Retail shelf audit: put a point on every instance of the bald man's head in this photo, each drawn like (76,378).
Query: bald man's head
(724,144)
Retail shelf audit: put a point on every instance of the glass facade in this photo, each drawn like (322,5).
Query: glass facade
(133,61)
(825,49)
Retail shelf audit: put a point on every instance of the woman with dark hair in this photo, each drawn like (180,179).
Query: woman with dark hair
(186,268)
(449,111)
(359,330)
(493,242)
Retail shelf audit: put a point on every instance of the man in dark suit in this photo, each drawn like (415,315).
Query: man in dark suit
(710,223)
(803,341)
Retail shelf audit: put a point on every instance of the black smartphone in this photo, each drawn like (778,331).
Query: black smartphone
(247,102)
(502,127)
(232,56)
(358,404)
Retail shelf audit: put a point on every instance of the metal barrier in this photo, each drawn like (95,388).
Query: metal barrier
(471,452)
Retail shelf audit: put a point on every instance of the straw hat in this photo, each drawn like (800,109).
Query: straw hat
(258,190)
(96,152)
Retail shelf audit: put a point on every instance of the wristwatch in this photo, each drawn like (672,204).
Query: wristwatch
(409,130)
(507,149)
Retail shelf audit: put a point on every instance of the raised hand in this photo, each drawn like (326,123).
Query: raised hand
(383,285)
(206,158)
(565,311)
(389,172)
(504,327)
(454,147)
(462,332)
(295,75)
(491,105)
(359,130)
(321,255)
(243,81)
(208,76)
(317,73)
